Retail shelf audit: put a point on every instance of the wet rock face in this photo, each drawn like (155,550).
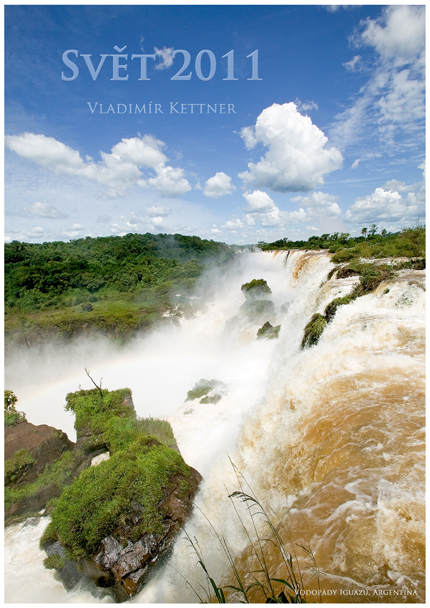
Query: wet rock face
(45,445)
(44,442)
(123,565)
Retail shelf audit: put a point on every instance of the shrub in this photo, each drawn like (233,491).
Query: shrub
(57,474)
(11,415)
(268,331)
(103,496)
(331,308)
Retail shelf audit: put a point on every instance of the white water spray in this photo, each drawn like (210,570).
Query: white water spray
(334,431)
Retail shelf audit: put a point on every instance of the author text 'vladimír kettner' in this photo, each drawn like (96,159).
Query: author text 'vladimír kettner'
(175,107)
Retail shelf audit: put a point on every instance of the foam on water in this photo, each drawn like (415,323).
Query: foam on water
(330,437)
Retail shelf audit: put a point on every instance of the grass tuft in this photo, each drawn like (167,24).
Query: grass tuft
(16,465)
(266,585)
(54,562)
(313,330)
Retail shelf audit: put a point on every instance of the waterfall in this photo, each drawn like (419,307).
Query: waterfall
(330,438)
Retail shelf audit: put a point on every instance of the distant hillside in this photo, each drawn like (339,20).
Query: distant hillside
(110,284)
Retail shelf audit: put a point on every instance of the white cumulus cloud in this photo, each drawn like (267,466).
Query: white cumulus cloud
(45,210)
(119,170)
(296,158)
(233,224)
(317,205)
(157,210)
(399,34)
(262,208)
(158,222)
(218,185)
(258,202)
(388,206)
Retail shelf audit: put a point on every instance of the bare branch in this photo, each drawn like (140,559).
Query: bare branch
(87,371)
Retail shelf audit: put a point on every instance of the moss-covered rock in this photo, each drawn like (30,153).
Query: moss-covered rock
(331,308)
(18,464)
(268,331)
(253,310)
(117,518)
(39,461)
(313,330)
(207,391)
(257,288)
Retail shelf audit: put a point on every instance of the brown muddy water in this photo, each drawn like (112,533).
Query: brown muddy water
(330,438)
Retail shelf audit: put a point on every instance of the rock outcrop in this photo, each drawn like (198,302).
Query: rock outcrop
(31,451)
(123,564)
(121,517)
(268,331)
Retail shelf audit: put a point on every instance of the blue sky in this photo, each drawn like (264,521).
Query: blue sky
(321,131)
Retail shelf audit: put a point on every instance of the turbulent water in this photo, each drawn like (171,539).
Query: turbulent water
(330,438)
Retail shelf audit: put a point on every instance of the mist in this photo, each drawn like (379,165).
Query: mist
(286,417)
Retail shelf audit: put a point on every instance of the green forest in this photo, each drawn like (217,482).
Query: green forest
(410,242)
(117,285)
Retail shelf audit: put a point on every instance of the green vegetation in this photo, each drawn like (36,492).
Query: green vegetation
(138,471)
(410,242)
(21,460)
(331,308)
(11,415)
(202,389)
(313,330)
(113,285)
(256,288)
(272,557)
(268,331)
(102,497)
(371,276)
(57,474)
(254,309)
(108,418)
(54,562)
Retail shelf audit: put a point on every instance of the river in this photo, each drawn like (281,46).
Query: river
(329,438)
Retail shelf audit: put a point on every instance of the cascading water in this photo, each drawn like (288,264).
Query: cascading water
(330,437)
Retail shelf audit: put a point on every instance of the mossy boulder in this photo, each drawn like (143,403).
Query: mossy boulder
(255,289)
(313,330)
(253,310)
(331,308)
(207,391)
(268,331)
(39,461)
(117,518)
